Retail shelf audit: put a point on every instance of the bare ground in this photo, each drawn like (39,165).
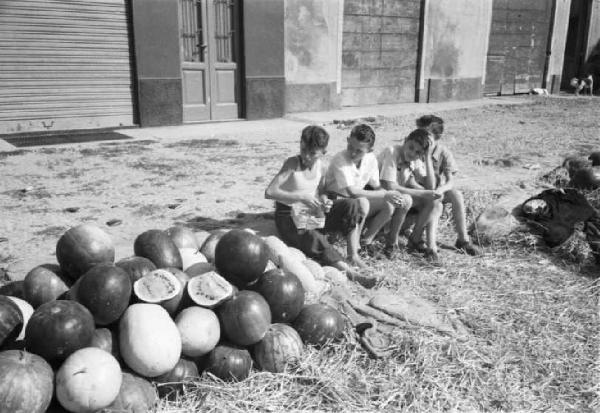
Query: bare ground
(534,314)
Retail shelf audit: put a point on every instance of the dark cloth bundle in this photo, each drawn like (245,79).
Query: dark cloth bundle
(556,211)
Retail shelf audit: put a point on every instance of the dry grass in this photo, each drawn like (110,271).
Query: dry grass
(532,312)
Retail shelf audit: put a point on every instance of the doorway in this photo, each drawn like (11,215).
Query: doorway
(209,41)
(575,47)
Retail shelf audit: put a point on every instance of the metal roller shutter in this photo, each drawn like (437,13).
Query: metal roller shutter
(64,64)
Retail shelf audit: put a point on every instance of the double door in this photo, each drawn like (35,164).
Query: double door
(209,51)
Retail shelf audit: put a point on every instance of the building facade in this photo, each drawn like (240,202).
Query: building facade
(79,64)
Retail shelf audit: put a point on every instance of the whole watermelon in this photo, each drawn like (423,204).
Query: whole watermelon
(240,257)
(245,318)
(12,288)
(158,247)
(149,340)
(280,348)
(57,329)
(27,382)
(105,290)
(107,340)
(136,395)
(171,383)
(182,237)
(284,294)
(81,247)
(319,323)
(11,320)
(136,267)
(43,284)
(229,362)
(88,380)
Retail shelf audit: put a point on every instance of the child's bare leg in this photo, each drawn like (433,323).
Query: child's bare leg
(353,238)
(398,220)
(458,213)
(463,241)
(380,212)
(432,225)
(353,244)
(423,214)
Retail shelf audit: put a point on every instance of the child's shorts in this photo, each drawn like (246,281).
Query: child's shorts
(311,242)
(344,215)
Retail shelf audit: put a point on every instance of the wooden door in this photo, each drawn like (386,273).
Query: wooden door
(209,39)
(379,51)
(518,46)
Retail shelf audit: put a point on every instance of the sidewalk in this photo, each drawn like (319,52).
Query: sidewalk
(290,121)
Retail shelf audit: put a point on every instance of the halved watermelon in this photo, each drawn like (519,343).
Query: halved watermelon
(157,286)
(209,289)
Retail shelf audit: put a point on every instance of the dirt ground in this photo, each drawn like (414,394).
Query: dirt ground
(216,177)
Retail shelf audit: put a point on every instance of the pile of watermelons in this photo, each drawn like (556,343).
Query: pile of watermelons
(91,335)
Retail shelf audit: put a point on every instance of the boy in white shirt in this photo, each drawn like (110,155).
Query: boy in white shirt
(354,173)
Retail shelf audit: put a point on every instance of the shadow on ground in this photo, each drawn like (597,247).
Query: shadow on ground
(263,223)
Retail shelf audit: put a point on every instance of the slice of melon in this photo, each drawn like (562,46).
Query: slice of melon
(209,289)
(157,286)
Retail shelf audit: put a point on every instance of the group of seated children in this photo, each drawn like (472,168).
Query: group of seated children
(358,195)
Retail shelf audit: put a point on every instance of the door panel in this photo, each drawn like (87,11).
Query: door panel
(210,70)
(195,69)
(379,51)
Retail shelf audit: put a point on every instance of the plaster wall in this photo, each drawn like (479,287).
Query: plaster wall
(557,47)
(311,44)
(264,58)
(157,60)
(455,41)
(457,36)
(311,41)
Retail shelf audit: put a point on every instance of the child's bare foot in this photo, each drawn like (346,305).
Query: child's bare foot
(357,262)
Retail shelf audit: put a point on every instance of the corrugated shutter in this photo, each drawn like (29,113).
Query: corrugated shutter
(64,65)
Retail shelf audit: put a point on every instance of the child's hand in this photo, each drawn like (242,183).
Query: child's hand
(430,148)
(432,195)
(326,205)
(394,198)
(312,202)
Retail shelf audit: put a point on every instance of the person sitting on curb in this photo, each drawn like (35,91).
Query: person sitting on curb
(402,168)
(444,168)
(354,174)
(303,211)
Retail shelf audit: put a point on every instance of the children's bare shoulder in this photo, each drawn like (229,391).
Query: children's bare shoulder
(293,162)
